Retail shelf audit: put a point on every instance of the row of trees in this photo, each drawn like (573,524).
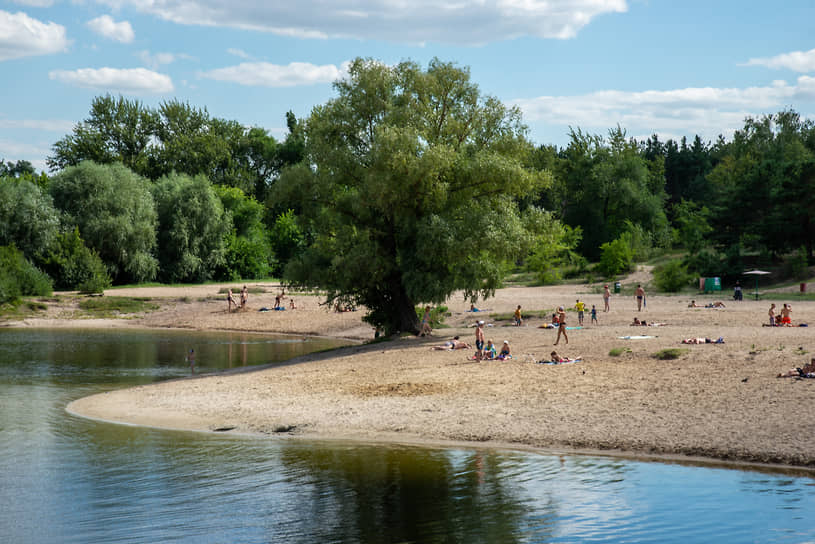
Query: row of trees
(407,186)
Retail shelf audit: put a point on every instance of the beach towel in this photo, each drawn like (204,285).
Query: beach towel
(635,337)
(560,362)
(573,328)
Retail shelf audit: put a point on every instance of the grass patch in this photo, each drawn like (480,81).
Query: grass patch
(252,290)
(115,306)
(670,353)
(526,314)
(616,352)
(22,308)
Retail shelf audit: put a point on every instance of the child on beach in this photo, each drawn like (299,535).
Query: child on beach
(580,307)
(506,353)
(518,319)
(593,315)
(490,352)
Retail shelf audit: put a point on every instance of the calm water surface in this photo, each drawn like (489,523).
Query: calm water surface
(67,479)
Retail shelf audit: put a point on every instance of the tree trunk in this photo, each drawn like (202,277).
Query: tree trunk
(403,314)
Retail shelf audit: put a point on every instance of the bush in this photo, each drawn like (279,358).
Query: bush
(616,257)
(73,265)
(671,277)
(19,278)
(670,353)
(616,352)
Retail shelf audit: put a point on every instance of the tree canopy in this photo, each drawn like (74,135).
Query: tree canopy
(410,190)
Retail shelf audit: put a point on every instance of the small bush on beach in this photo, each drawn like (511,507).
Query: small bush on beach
(20,278)
(112,306)
(670,353)
(616,352)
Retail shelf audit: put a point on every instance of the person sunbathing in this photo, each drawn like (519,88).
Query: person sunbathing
(638,323)
(806,371)
(717,304)
(693,304)
(719,340)
(450,345)
(555,358)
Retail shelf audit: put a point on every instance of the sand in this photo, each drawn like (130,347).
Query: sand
(720,402)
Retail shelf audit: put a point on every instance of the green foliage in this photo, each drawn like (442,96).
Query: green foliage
(796,266)
(28,219)
(101,307)
(410,190)
(670,353)
(73,265)
(692,225)
(616,256)
(20,278)
(437,315)
(616,352)
(553,247)
(287,239)
(115,214)
(193,229)
(248,251)
(672,277)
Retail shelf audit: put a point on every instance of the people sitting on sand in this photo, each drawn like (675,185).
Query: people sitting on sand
(638,323)
(719,340)
(490,352)
(806,371)
(473,308)
(292,305)
(717,304)
(506,352)
(450,345)
(693,304)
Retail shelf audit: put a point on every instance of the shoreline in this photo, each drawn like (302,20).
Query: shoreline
(715,403)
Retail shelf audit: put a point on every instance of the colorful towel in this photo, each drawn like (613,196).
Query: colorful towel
(560,362)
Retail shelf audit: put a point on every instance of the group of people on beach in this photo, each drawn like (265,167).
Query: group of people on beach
(783,318)
(230,300)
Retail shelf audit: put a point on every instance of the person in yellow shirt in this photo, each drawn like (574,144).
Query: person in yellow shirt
(580,307)
(518,319)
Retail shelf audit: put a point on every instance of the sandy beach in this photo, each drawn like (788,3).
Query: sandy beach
(717,401)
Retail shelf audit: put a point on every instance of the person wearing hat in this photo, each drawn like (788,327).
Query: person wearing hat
(561,325)
(506,353)
(479,338)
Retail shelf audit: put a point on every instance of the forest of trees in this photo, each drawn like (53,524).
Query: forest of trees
(407,186)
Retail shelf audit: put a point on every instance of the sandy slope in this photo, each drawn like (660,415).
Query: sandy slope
(720,401)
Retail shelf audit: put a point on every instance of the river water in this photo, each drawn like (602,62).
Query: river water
(68,479)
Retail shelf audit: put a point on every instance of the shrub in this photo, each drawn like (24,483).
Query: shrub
(616,352)
(670,353)
(19,278)
(73,265)
(671,277)
(616,257)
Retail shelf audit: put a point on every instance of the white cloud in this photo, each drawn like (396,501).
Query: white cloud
(240,53)
(110,29)
(154,61)
(53,125)
(125,81)
(264,74)
(417,21)
(798,61)
(35,3)
(23,36)
(706,111)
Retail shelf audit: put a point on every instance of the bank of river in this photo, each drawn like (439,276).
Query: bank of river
(70,479)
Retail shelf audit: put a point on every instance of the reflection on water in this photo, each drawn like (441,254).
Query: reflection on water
(67,479)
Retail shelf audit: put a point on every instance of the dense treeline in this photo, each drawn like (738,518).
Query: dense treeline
(407,186)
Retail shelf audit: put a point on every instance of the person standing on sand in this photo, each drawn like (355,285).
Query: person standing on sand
(771,313)
(479,338)
(594,315)
(580,307)
(561,325)
(230,301)
(426,329)
(518,318)
(606,297)
(640,293)
(786,320)
(244,297)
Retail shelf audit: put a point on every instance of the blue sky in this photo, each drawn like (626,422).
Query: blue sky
(674,68)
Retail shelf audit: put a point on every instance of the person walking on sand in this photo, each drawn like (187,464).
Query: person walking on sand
(606,297)
(561,325)
(580,307)
(518,319)
(426,329)
(640,293)
(593,315)
(230,301)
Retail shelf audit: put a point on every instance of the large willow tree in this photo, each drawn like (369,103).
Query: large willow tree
(409,190)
